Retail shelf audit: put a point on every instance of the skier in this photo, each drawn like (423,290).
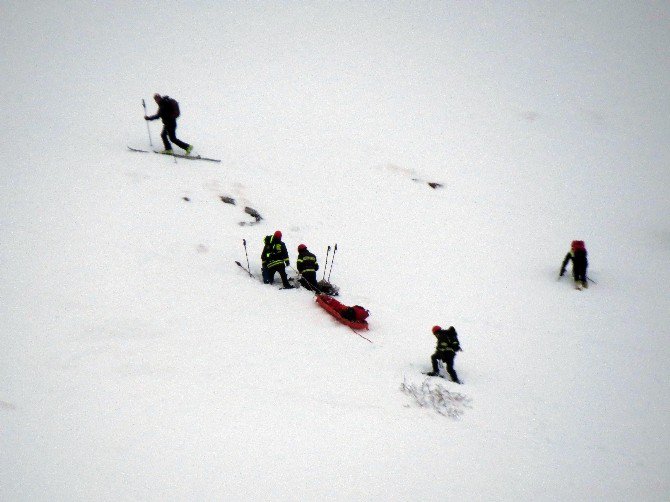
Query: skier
(447,346)
(168,111)
(275,259)
(307,266)
(580,263)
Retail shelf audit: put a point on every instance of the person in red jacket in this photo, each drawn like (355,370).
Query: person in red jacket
(168,111)
(580,263)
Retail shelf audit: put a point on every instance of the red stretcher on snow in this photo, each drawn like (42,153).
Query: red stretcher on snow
(354,317)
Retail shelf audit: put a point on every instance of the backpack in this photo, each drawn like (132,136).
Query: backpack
(328,288)
(578,246)
(355,313)
(173,107)
(451,339)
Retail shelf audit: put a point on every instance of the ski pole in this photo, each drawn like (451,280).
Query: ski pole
(331,262)
(594,282)
(148,130)
(244,241)
(326,265)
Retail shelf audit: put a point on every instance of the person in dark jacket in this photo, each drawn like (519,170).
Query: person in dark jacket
(264,261)
(167,112)
(307,266)
(580,263)
(447,346)
(275,258)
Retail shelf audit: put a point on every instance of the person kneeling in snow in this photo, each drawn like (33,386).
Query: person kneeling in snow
(307,266)
(447,346)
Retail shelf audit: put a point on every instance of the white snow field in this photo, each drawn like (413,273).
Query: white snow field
(138,362)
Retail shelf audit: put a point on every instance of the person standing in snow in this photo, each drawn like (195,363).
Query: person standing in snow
(264,261)
(447,346)
(580,263)
(307,266)
(168,111)
(275,259)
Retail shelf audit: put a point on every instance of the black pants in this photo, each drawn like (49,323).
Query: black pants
(170,131)
(447,357)
(282,273)
(309,281)
(579,274)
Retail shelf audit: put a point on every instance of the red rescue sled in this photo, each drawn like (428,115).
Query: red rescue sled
(338,310)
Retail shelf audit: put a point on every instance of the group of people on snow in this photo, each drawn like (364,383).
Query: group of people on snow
(275,259)
(447,340)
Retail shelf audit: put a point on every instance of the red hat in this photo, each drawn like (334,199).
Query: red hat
(436,329)
(302,247)
(277,234)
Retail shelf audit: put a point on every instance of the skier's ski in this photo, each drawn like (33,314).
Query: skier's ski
(432,184)
(243,268)
(290,279)
(181,156)
(191,157)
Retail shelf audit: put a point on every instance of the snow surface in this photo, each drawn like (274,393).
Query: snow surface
(139,363)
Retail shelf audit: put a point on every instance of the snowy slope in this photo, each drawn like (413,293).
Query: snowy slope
(140,363)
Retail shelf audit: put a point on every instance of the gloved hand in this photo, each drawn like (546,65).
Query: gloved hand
(146,117)
(561,274)
(287,264)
